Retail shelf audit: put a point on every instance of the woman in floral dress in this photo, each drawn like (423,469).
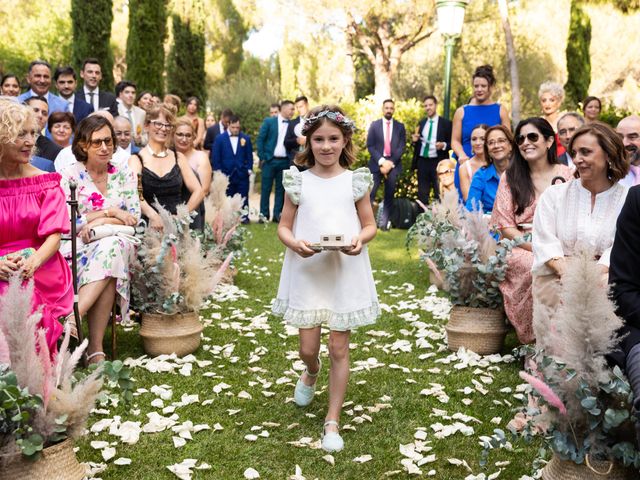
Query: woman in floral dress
(106,195)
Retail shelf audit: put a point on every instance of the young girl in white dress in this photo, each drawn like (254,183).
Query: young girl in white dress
(330,288)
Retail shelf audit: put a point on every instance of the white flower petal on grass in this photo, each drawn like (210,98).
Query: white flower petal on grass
(108,453)
(129,432)
(251,437)
(186,369)
(298,475)
(410,467)
(99,444)
(244,395)
(363,458)
(329,459)
(179,442)
(122,461)
(251,473)
(157,403)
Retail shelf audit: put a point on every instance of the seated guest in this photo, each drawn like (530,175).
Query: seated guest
(532,170)
(629,130)
(107,195)
(592,106)
(10,85)
(39,79)
(581,213)
(145,101)
(45,147)
(446,171)
(498,150)
(66,83)
(61,126)
(32,218)
(568,123)
(477,161)
(165,172)
(122,127)
(233,155)
(198,161)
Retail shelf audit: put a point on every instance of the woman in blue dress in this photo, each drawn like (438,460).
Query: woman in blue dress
(480,109)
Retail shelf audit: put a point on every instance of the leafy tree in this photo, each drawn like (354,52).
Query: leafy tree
(578,59)
(145,44)
(226,31)
(503,7)
(91,24)
(185,66)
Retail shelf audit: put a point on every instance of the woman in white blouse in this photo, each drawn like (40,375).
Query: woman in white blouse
(580,214)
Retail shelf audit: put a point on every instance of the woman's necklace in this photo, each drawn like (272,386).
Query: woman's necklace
(161,154)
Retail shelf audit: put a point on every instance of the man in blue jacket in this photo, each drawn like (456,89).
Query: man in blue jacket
(39,78)
(233,155)
(273,159)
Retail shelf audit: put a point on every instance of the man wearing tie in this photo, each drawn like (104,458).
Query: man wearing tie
(273,159)
(216,129)
(65,78)
(386,142)
(91,73)
(233,155)
(431,143)
(126,93)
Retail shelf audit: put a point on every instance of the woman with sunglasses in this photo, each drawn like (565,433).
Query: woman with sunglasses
(582,213)
(498,150)
(533,169)
(107,195)
(198,161)
(164,171)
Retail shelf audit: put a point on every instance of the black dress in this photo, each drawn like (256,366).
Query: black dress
(166,189)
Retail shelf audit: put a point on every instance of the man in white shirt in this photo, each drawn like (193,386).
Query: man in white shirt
(567,126)
(91,73)
(122,129)
(65,79)
(126,93)
(629,129)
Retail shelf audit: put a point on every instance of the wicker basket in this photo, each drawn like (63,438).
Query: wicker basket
(57,462)
(558,469)
(481,330)
(166,334)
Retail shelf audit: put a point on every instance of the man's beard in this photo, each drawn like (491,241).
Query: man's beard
(388,116)
(634,156)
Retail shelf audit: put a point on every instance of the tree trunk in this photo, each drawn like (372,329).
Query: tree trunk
(383,76)
(513,63)
(349,90)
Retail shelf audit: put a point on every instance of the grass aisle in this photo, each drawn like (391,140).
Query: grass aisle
(400,357)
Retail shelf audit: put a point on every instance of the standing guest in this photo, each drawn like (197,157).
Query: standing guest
(294,141)
(173,102)
(65,79)
(32,218)
(198,161)
(332,289)
(233,156)
(91,74)
(193,105)
(45,147)
(273,159)
(126,93)
(532,170)
(274,109)
(122,130)
(61,126)
(165,172)
(39,79)
(481,109)
(629,130)
(209,120)
(498,150)
(431,143)
(10,85)
(144,100)
(107,195)
(216,129)
(386,141)
(551,96)
(568,123)
(580,214)
(477,161)
(591,106)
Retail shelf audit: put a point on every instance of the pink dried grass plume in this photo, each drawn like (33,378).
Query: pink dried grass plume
(545,391)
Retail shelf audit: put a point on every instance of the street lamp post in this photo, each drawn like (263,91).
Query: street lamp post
(450,20)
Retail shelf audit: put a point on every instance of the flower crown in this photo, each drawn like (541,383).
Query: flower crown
(336,117)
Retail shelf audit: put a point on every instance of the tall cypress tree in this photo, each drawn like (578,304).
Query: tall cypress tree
(145,44)
(91,26)
(185,66)
(578,59)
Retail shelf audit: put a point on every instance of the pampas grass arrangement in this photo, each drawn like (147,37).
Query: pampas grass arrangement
(64,403)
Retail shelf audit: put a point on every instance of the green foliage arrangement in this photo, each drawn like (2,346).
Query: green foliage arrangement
(612,115)
(578,58)
(185,64)
(91,25)
(581,406)
(145,44)
(465,259)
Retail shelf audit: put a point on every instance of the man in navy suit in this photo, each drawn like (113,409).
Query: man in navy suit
(233,155)
(39,79)
(66,83)
(386,142)
(273,159)
(294,141)
(214,130)
(431,143)
(91,74)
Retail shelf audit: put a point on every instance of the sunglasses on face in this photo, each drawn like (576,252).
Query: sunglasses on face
(533,137)
(444,172)
(97,142)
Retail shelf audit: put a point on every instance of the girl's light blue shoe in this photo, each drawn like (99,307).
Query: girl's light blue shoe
(303,394)
(331,441)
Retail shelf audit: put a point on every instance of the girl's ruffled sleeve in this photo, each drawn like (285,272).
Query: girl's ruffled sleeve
(362,181)
(292,183)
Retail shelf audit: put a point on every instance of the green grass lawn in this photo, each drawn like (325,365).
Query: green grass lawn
(385,406)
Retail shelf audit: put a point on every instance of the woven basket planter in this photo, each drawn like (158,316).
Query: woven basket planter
(481,330)
(166,334)
(57,462)
(558,469)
